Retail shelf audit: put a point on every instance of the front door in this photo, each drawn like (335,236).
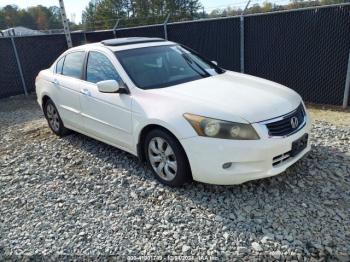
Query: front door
(106,116)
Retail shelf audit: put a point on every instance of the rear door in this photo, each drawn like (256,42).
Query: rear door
(68,81)
(107,116)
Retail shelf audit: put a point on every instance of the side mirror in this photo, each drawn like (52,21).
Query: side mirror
(108,86)
(215,62)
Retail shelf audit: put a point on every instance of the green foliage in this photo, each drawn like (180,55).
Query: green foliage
(36,17)
(270,7)
(102,14)
(2,19)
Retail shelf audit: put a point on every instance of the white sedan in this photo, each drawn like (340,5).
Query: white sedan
(182,114)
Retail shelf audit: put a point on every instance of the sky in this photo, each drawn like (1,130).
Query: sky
(75,7)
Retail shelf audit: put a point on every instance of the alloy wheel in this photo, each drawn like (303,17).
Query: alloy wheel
(53,118)
(162,158)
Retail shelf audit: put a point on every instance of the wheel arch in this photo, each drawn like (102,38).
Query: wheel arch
(46,97)
(142,135)
(44,100)
(141,138)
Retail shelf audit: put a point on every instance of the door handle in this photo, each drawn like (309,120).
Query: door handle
(55,82)
(85,91)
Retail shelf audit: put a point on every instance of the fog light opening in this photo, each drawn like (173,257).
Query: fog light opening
(227,165)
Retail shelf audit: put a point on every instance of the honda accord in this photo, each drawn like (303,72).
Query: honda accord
(182,114)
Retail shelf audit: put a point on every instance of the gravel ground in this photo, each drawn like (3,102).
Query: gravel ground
(330,114)
(75,196)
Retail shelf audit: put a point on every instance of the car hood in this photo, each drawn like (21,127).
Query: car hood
(251,98)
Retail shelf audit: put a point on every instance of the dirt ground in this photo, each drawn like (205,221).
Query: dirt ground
(331,114)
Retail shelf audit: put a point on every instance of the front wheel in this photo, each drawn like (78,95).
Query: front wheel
(166,158)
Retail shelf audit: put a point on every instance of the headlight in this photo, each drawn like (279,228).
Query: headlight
(210,127)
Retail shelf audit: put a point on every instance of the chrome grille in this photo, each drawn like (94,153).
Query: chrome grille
(289,123)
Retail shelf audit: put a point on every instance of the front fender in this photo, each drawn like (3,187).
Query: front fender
(180,129)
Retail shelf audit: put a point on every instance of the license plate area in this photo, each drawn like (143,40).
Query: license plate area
(299,145)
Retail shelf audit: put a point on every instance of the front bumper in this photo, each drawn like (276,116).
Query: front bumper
(251,159)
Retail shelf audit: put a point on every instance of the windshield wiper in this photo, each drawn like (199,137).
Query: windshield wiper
(190,62)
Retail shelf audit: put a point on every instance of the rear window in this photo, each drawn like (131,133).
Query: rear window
(73,64)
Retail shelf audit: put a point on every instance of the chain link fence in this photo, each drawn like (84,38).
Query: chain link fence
(36,53)
(218,39)
(10,83)
(305,49)
(147,31)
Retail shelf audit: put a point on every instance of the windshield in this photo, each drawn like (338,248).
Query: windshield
(163,66)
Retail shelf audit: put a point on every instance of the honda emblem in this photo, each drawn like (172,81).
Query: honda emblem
(294,122)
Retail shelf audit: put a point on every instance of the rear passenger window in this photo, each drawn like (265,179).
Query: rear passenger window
(73,64)
(59,66)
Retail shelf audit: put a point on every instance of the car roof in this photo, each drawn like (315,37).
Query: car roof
(119,44)
(130,40)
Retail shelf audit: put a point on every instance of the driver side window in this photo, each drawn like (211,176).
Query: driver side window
(100,68)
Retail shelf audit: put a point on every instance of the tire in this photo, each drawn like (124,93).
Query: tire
(166,158)
(54,120)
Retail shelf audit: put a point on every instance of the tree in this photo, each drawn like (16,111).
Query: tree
(88,16)
(41,15)
(330,2)
(35,17)
(55,20)
(24,18)
(256,8)
(270,7)
(108,11)
(2,20)
(104,13)
(10,15)
(267,7)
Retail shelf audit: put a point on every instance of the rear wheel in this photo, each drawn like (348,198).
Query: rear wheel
(166,158)
(54,120)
